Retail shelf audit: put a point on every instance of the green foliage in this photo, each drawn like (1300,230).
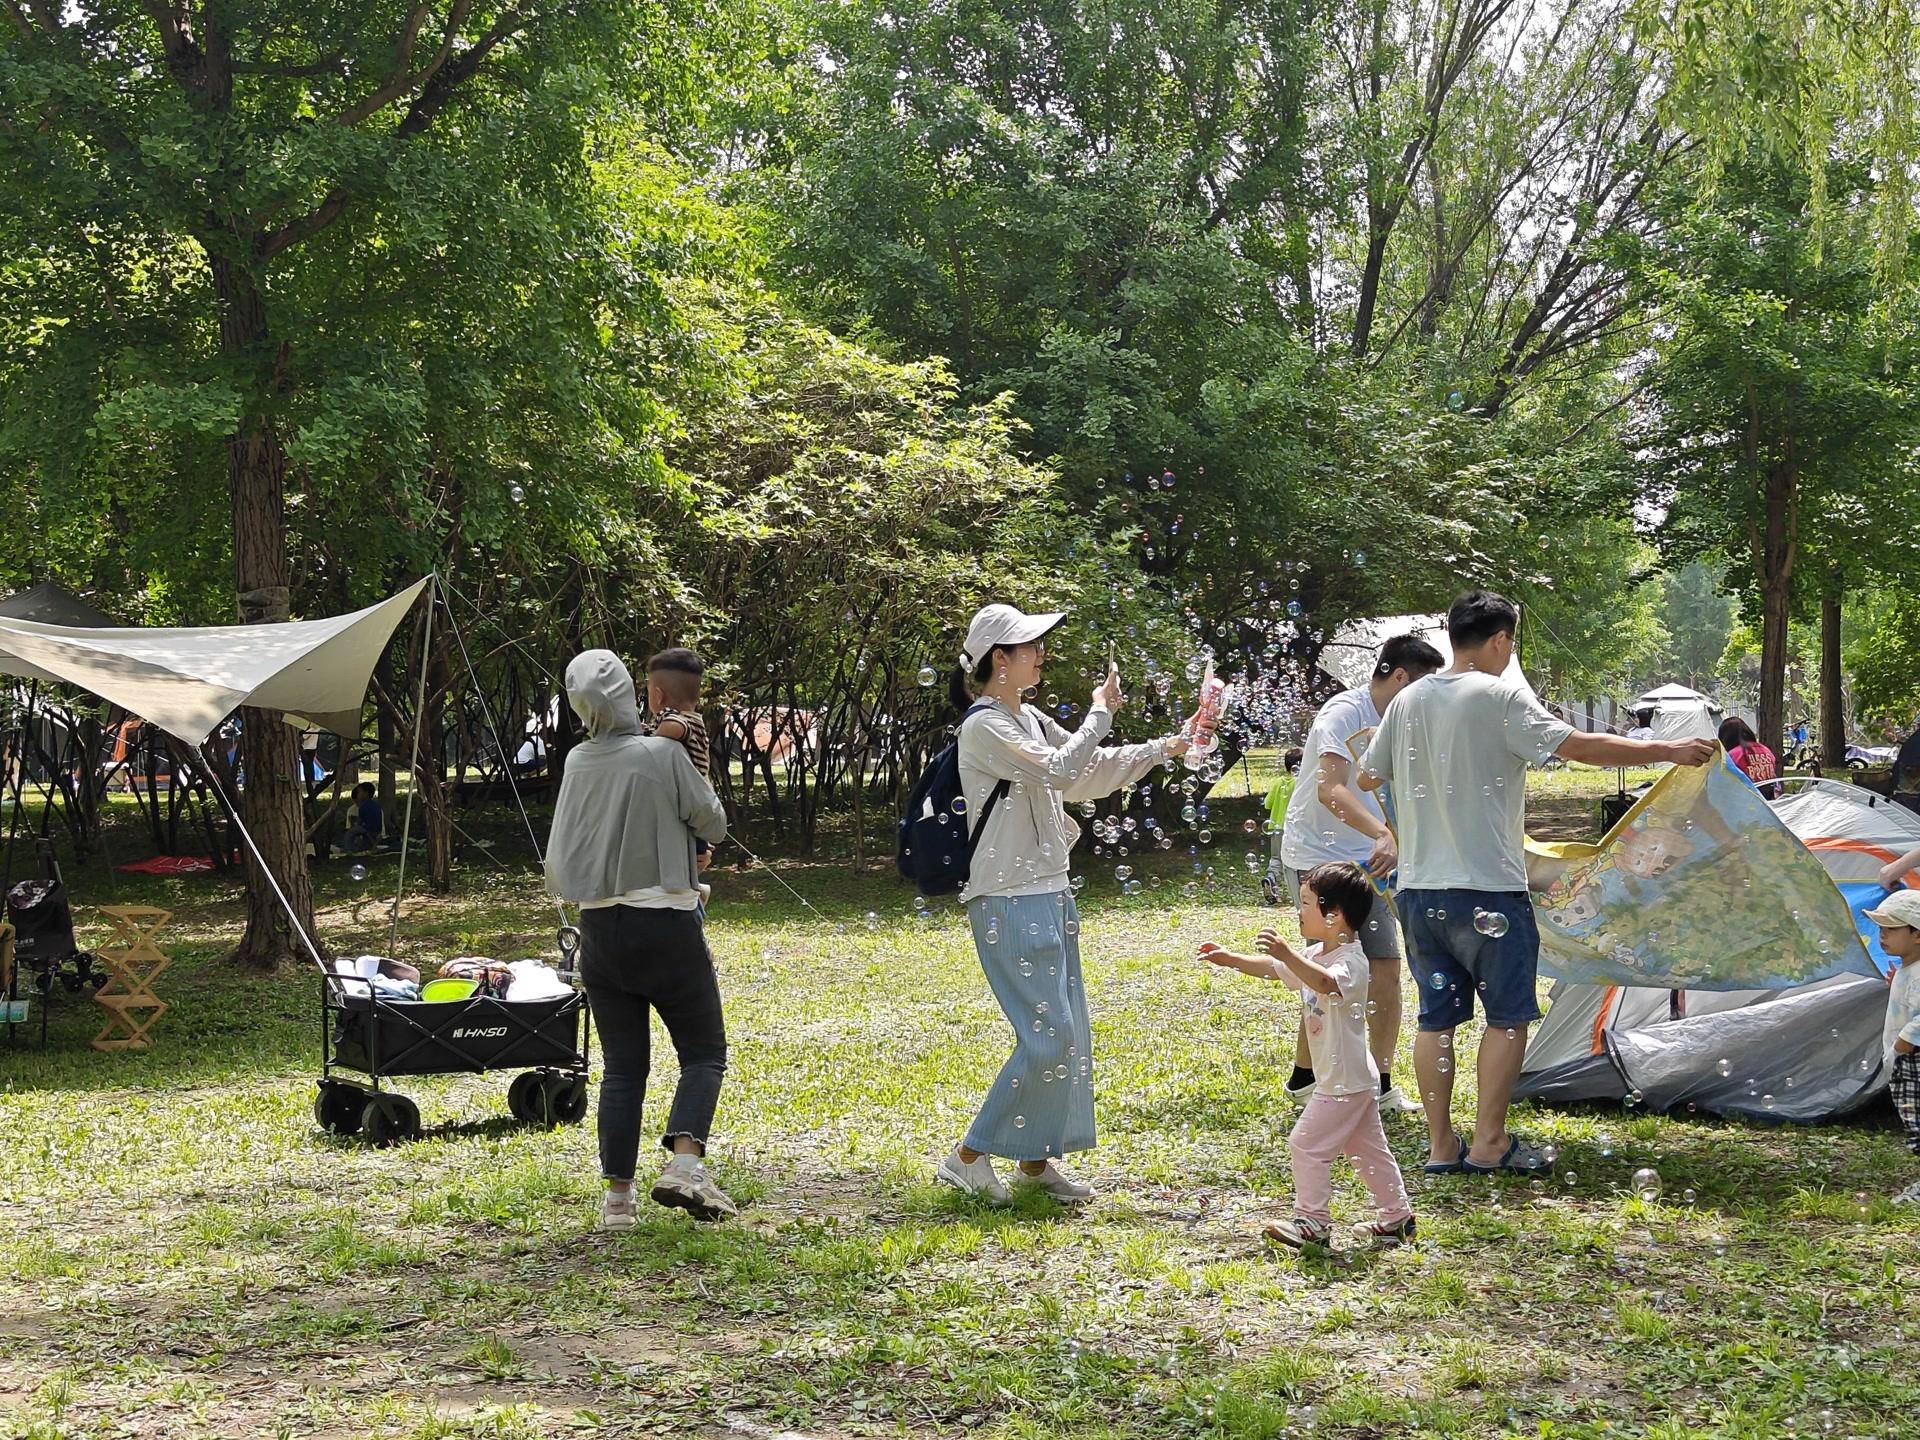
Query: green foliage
(1883,658)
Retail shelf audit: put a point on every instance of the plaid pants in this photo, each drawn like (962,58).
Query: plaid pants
(1905,1087)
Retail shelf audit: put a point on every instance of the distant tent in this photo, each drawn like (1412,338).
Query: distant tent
(1673,712)
(49,604)
(1354,647)
(1806,1053)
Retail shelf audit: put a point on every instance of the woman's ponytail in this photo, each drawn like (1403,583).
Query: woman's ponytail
(957,691)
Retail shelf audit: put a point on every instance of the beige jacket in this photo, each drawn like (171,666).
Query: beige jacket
(1028,838)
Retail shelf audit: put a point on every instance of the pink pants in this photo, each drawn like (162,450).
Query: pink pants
(1344,1124)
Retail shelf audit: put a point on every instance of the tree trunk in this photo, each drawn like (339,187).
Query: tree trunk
(272,802)
(1777,549)
(1833,706)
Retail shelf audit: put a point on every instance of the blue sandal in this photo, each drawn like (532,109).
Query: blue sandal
(1456,1166)
(1520,1159)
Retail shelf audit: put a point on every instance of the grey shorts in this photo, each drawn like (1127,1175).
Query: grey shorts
(1379,936)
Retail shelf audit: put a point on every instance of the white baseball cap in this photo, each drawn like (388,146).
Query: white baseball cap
(1003,625)
(1902,907)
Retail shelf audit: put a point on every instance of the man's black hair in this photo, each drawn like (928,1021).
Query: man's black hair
(366,785)
(1409,653)
(1342,886)
(1479,615)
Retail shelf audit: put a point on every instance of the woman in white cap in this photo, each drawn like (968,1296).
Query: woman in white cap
(1018,770)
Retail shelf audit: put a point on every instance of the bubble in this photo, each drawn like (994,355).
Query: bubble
(993,935)
(357,873)
(1646,1183)
(518,495)
(1490,922)
(926,676)
(1568,1177)
(1293,609)
(1123,873)
(1861,1201)
(959,804)
(1438,980)
(1687,1196)
(1252,827)
(1724,1067)
(1019,1122)
(873,920)
(1766,1102)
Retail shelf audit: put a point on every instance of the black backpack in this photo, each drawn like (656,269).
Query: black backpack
(935,844)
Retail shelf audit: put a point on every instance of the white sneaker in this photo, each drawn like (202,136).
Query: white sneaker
(1059,1185)
(1395,1101)
(617,1210)
(1301,1092)
(971,1177)
(688,1187)
(1909,1196)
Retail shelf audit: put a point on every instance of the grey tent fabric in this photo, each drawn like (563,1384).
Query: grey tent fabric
(1806,1054)
(51,604)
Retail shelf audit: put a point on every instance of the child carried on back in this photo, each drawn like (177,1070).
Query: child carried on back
(1344,1114)
(673,713)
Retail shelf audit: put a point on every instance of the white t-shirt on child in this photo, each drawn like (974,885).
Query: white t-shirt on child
(1337,1024)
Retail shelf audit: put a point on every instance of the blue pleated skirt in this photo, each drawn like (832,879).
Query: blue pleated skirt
(1041,1104)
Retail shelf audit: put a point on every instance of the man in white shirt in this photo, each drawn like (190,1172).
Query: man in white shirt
(1329,820)
(1454,750)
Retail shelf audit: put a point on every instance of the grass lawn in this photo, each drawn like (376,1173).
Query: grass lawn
(183,1254)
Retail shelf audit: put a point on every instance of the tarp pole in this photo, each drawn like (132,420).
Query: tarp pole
(413,771)
(500,745)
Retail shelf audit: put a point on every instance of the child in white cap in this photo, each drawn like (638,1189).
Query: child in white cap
(1898,917)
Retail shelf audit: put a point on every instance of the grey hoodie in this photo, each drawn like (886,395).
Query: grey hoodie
(630,805)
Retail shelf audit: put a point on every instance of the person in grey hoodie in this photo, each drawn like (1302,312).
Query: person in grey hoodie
(622,848)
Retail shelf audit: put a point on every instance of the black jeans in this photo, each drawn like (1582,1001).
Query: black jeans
(633,960)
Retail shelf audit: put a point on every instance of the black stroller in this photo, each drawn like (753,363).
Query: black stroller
(366,1032)
(46,957)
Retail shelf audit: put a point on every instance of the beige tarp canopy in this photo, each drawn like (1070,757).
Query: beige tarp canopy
(186,681)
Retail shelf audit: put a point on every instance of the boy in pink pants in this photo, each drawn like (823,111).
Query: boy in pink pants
(1343,1117)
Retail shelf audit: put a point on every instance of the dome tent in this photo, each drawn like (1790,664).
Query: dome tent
(1673,712)
(1806,1053)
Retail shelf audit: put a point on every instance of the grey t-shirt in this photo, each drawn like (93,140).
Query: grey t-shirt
(1454,749)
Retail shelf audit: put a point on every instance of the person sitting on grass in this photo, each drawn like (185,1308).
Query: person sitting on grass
(1343,1117)
(365,823)
(1898,917)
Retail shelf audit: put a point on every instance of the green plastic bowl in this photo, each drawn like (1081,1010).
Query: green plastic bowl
(449,988)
